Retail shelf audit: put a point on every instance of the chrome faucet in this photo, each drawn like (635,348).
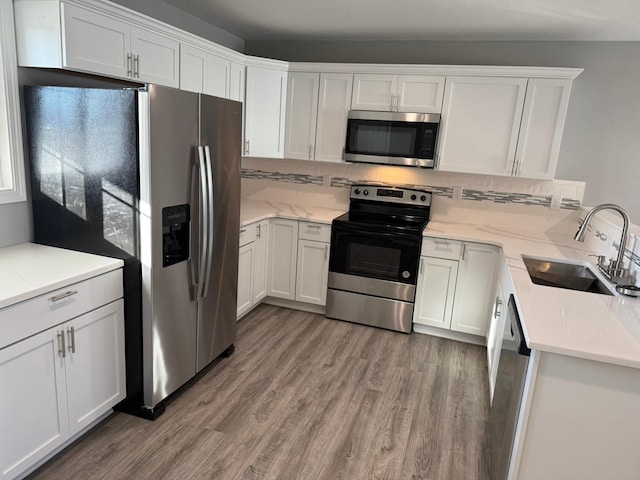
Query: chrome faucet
(615,271)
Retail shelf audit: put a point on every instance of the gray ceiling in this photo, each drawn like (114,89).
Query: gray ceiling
(269,20)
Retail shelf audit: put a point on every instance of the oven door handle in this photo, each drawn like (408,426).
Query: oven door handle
(370,232)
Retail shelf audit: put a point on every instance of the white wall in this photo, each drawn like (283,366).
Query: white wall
(601,144)
(15,223)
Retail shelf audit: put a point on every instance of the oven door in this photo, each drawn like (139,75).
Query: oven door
(383,255)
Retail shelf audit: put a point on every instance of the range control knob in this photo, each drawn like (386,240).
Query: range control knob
(413,197)
(366,192)
(357,191)
(423,198)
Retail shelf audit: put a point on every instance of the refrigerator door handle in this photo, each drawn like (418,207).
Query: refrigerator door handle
(210,232)
(204,226)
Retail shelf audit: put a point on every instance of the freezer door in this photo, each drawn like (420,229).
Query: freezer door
(167,186)
(221,124)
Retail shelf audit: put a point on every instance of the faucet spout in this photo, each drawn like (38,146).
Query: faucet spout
(616,269)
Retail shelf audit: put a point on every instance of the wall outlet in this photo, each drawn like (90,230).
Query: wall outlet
(556,202)
(457,193)
(326,180)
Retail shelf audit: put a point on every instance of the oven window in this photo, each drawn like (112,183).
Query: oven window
(373,261)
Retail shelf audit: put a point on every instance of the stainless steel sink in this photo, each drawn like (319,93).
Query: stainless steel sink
(563,274)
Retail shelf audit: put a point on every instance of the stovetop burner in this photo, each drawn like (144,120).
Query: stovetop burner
(387,208)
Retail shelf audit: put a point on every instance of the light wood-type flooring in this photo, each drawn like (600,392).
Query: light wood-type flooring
(304,397)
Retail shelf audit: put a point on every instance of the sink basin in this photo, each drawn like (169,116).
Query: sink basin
(564,274)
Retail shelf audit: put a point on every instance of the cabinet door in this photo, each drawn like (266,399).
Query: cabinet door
(95,364)
(95,43)
(420,93)
(265,108)
(245,278)
(494,336)
(283,254)
(260,263)
(474,288)
(334,102)
(545,110)
(302,113)
(33,402)
(216,76)
(374,92)
(435,292)
(236,82)
(480,123)
(192,67)
(312,272)
(156,58)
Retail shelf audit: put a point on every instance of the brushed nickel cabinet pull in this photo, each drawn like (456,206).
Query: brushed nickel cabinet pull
(61,350)
(326,251)
(128,64)
(72,339)
(64,295)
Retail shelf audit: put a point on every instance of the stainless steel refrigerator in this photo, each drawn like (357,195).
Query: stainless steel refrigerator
(151,176)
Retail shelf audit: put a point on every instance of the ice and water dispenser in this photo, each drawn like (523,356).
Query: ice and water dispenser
(175,234)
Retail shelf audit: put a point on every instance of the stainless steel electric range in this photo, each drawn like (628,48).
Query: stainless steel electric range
(375,251)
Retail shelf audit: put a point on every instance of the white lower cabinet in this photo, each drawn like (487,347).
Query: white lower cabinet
(312,272)
(474,288)
(57,382)
(246,263)
(435,291)
(283,255)
(454,288)
(252,266)
(494,334)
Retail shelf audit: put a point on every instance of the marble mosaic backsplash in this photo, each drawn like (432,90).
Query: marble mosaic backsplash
(439,190)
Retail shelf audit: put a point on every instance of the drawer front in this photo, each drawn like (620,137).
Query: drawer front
(27,318)
(247,234)
(441,248)
(319,232)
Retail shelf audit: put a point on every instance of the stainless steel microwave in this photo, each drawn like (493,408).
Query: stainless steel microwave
(392,138)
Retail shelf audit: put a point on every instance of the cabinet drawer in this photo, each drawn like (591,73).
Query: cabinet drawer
(314,231)
(441,248)
(247,234)
(27,318)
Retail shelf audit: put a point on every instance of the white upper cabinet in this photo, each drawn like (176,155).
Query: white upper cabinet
(302,114)
(397,93)
(265,107)
(480,124)
(334,101)
(317,108)
(545,111)
(420,93)
(205,72)
(60,35)
(236,82)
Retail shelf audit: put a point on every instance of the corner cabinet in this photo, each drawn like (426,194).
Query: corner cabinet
(283,255)
(265,107)
(205,72)
(55,34)
(60,381)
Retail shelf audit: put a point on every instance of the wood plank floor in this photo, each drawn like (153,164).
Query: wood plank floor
(304,397)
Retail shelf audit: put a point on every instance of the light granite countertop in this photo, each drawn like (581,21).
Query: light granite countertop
(584,325)
(255,210)
(29,269)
